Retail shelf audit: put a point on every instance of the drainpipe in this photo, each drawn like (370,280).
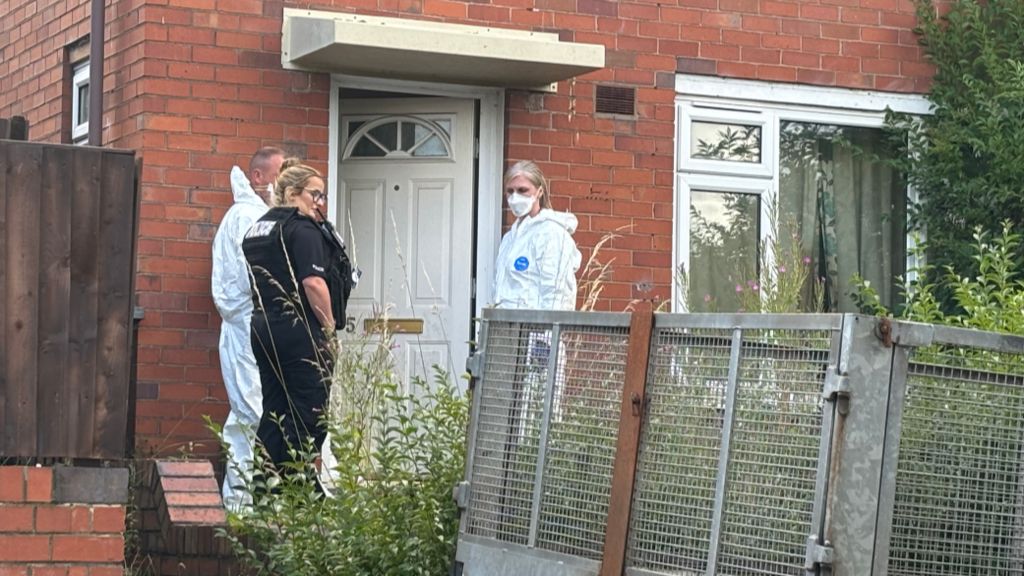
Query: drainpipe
(96,73)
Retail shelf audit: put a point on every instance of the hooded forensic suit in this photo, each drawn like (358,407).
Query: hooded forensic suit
(536,270)
(537,263)
(233,296)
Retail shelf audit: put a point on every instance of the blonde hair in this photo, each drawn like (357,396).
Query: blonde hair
(531,172)
(294,174)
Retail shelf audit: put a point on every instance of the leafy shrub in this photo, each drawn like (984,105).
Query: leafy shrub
(991,300)
(399,454)
(966,159)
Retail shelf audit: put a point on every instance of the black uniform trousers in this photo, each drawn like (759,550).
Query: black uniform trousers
(296,386)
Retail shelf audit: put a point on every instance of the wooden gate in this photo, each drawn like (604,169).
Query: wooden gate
(68,221)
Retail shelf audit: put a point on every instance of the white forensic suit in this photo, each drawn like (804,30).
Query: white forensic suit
(537,263)
(233,296)
(536,270)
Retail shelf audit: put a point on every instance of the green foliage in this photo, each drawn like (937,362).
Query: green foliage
(992,299)
(966,160)
(399,454)
(786,282)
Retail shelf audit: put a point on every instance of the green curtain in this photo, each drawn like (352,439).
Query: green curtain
(847,207)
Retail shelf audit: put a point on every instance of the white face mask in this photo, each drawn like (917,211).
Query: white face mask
(520,204)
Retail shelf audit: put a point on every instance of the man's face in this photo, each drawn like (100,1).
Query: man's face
(264,176)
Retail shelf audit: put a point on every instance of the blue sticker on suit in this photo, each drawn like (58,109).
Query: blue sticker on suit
(522,263)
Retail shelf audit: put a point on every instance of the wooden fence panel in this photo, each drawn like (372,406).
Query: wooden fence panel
(54,298)
(22,280)
(67,218)
(85,297)
(116,244)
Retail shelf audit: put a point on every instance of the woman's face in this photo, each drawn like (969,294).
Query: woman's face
(522,186)
(310,197)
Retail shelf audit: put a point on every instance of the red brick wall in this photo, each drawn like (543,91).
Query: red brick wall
(32,59)
(39,537)
(204,89)
(214,92)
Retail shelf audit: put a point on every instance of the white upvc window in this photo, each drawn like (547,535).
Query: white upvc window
(80,103)
(798,167)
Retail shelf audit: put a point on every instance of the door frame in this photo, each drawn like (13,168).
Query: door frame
(490,160)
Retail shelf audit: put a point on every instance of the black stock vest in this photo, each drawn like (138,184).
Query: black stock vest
(278,242)
(341,277)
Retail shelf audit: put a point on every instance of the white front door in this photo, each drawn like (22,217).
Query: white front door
(405,204)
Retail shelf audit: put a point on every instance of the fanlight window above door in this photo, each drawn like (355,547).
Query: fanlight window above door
(399,137)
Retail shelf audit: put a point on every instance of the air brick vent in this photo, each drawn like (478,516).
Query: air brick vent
(615,100)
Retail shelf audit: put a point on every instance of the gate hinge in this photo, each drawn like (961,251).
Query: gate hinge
(818,555)
(461,494)
(473,364)
(836,384)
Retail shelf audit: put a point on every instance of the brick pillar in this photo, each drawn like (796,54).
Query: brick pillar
(181,509)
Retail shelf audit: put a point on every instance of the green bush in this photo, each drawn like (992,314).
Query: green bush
(992,300)
(966,159)
(399,455)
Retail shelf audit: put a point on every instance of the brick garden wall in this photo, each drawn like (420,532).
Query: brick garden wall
(41,535)
(204,88)
(179,510)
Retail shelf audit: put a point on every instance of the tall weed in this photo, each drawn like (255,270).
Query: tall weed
(399,454)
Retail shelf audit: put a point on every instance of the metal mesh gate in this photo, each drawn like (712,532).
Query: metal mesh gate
(959,495)
(775,445)
(545,443)
(734,420)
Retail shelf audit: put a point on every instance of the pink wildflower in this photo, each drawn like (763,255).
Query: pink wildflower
(807,259)
(707,297)
(755,287)
(739,288)
(782,269)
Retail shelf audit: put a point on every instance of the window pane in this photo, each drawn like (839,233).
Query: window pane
(411,134)
(377,142)
(386,135)
(354,125)
(433,147)
(733,142)
(723,250)
(367,148)
(845,208)
(421,141)
(83,103)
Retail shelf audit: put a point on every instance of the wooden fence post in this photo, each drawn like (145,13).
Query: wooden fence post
(630,420)
(14,128)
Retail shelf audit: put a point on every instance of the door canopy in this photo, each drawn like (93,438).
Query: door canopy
(406,49)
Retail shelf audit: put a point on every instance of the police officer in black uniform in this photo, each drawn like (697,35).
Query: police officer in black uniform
(301,279)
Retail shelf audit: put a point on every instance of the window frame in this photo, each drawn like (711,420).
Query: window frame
(685,185)
(368,122)
(79,79)
(699,97)
(702,111)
